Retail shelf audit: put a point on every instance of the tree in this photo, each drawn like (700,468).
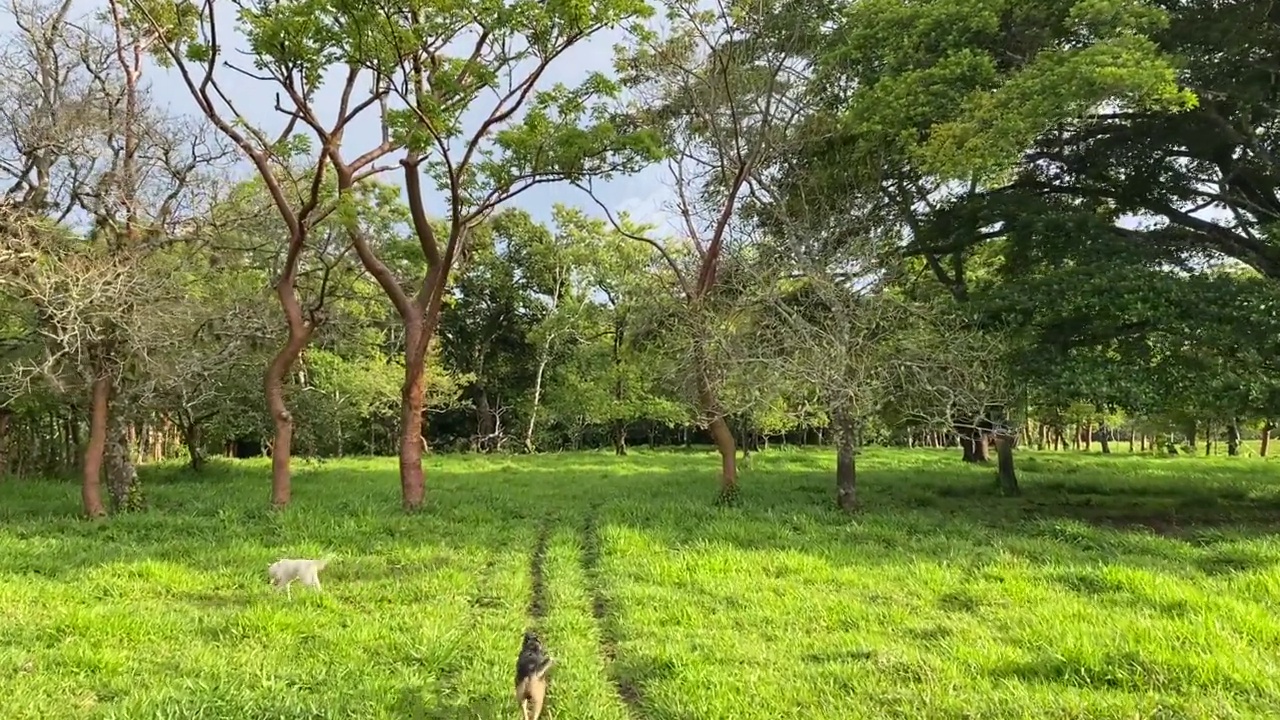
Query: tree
(187,36)
(98,154)
(923,106)
(618,374)
(723,92)
(558,264)
(489,316)
(296,43)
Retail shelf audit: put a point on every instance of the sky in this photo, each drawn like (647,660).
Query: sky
(643,196)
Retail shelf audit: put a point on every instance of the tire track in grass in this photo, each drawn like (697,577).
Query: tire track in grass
(466,685)
(581,684)
(537,574)
(628,691)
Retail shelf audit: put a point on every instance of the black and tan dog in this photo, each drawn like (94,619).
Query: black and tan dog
(531,676)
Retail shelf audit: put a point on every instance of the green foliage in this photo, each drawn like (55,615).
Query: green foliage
(963,87)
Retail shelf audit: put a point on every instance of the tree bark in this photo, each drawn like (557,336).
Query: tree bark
(91,484)
(413,486)
(727,447)
(974,445)
(1088,437)
(1190,431)
(846,467)
(193,437)
(1104,438)
(619,438)
(1005,476)
(1265,439)
(1233,437)
(273,386)
(6,417)
(122,476)
(537,397)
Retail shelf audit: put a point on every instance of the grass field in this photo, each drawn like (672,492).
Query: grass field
(1116,587)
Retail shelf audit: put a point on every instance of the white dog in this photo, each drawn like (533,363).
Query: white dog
(285,571)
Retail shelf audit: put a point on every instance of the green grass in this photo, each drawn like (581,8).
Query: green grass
(1115,587)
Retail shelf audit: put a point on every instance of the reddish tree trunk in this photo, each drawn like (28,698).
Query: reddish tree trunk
(728,449)
(723,438)
(91,486)
(413,486)
(273,385)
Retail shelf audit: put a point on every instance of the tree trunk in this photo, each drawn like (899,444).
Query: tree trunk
(1104,438)
(725,444)
(1005,475)
(537,397)
(846,469)
(619,438)
(1208,440)
(1233,438)
(122,476)
(974,445)
(1190,431)
(1142,443)
(413,488)
(273,386)
(486,425)
(1131,434)
(5,420)
(192,437)
(91,484)
(1088,437)
(1265,438)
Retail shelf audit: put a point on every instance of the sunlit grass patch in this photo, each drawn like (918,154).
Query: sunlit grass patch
(1115,587)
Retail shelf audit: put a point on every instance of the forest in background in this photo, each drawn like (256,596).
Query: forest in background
(970,223)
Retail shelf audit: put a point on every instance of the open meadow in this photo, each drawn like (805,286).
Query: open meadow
(1117,587)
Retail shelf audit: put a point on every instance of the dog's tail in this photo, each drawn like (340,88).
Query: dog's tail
(541,671)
